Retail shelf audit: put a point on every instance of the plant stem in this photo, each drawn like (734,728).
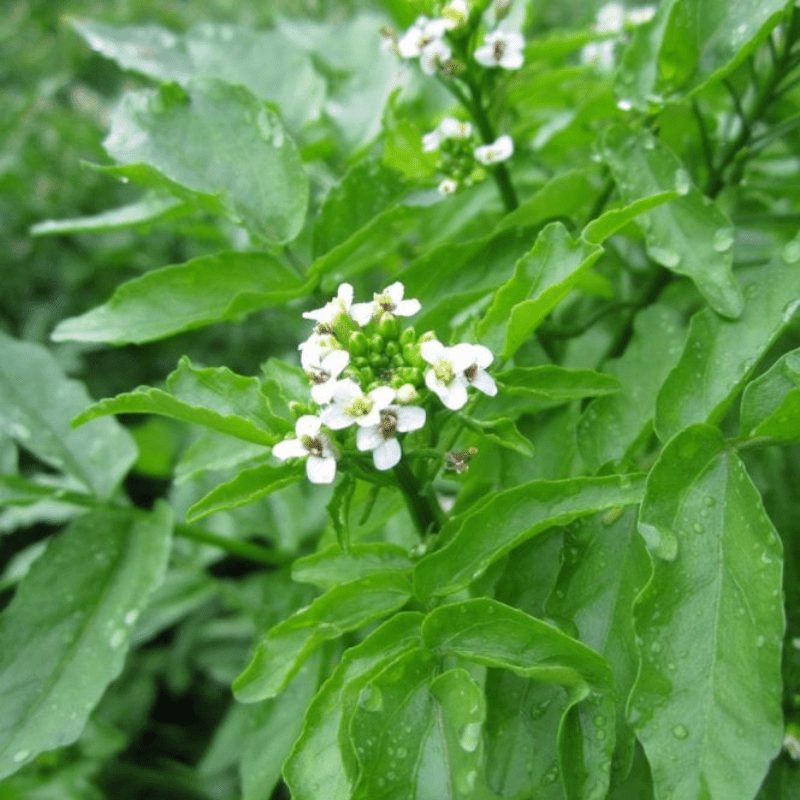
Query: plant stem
(426,515)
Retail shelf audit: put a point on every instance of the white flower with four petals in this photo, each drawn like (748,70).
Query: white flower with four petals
(350,405)
(380,438)
(313,445)
(389,301)
(501,49)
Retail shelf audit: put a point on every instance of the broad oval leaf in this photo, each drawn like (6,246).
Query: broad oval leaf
(707,701)
(682,236)
(37,403)
(58,655)
(346,607)
(771,403)
(323,761)
(181,297)
(332,565)
(497,525)
(720,354)
(267,63)
(213,397)
(194,139)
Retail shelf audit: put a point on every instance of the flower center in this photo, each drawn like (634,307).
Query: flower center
(385,302)
(360,407)
(443,370)
(314,445)
(499,49)
(471,372)
(388,423)
(318,375)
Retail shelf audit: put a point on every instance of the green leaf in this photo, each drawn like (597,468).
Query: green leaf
(249,486)
(604,568)
(496,635)
(690,236)
(265,62)
(418,734)
(37,403)
(273,727)
(151,207)
(181,297)
(194,138)
(691,44)
(771,403)
(598,230)
(322,762)
(211,396)
(332,566)
(513,516)
(611,427)
(720,354)
(528,389)
(707,702)
(346,607)
(65,634)
(339,509)
(542,279)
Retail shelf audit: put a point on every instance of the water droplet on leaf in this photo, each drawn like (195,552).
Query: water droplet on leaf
(791,252)
(723,240)
(470,736)
(680,732)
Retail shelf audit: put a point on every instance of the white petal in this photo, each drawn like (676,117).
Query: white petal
(405,308)
(347,390)
(345,294)
(382,396)
(462,356)
(289,448)
(373,417)
(456,395)
(431,141)
(335,418)
(321,470)
(322,393)
(362,312)
(484,55)
(395,292)
(484,383)
(432,350)
(483,355)
(409,418)
(387,455)
(512,59)
(307,425)
(369,438)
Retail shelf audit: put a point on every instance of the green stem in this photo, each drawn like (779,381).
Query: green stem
(254,552)
(426,514)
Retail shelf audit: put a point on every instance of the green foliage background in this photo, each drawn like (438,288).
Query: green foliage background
(610,609)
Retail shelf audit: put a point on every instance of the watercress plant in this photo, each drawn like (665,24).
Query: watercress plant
(505,506)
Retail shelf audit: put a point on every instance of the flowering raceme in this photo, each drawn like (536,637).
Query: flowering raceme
(370,381)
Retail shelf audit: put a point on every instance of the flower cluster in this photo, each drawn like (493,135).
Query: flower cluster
(612,18)
(369,377)
(443,44)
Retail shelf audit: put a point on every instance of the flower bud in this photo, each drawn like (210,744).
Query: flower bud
(358,344)
(408,336)
(298,410)
(367,375)
(376,343)
(413,356)
(407,394)
(397,361)
(391,349)
(377,360)
(388,326)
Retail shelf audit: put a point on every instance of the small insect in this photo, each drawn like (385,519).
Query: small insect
(459,462)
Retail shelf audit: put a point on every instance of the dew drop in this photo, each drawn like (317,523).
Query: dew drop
(698,528)
(470,736)
(372,699)
(117,638)
(666,257)
(21,755)
(683,181)
(599,720)
(600,735)
(401,752)
(791,252)
(680,732)
(131,617)
(624,105)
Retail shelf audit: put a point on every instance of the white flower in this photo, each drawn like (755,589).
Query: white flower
(380,438)
(312,445)
(420,35)
(501,49)
(447,187)
(476,374)
(339,305)
(638,16)
(389,301)
(446,374)
(322,371)
(433,55)
(499,150)
(448,128)
(599,55)
(350,405)
(610,18)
